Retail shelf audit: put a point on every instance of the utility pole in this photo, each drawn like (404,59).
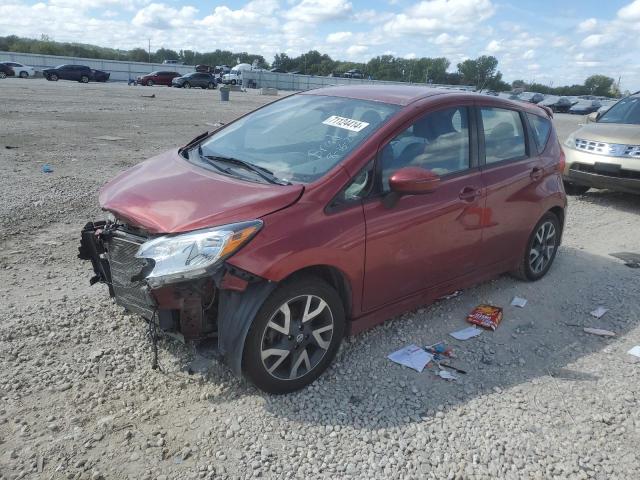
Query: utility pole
(149,50)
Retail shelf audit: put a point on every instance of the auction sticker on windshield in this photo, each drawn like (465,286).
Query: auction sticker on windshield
(346,123)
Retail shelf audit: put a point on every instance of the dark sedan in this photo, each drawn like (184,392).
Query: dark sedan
(6,71)
(585,107)
(157,78)
(196,79)
(79,73)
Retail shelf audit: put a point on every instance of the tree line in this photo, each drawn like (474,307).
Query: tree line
(482,73)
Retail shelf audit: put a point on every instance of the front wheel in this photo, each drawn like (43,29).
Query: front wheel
(541,249)
(24,74)
(149,83)
(186,85)
(294,336)
(3,75)
(84,79)
(53,77)
(233,82)
(211,86)
(573,189)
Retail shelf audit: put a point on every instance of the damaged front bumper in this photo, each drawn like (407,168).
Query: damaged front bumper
(221,306)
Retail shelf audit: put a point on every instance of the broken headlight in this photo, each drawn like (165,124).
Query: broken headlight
(192,255)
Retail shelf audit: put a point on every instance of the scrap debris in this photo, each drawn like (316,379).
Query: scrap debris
(599,312)
(631,260)
(446,375)
(635,351)
(46,168)
(411,356)
(600,332)
(466,333)
(455,294)
(486,316)
(519,302)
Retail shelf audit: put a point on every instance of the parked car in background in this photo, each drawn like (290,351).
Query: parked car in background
(20,70)
(205,69)
(278,70)
(585,107)
(531,97)
(353,73)
(557,104)
(172,62)
(157,78)
(6,71)
(605,153)
(195,79)
(325,213)
(79,73)
(605,105)
(222,69)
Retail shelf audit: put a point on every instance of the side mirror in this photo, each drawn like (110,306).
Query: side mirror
(592,117)
(413,181)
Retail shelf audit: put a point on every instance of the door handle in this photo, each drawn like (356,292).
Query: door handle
(469,194)
(537,173)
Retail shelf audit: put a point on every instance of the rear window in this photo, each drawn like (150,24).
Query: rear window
(503,135)
(541,128)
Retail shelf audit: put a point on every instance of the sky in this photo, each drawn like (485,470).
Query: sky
(555,42)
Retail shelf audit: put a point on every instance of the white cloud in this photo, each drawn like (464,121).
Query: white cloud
(529,54)
(355,50)
(447,40)
(339,37)
(253,15)
(630,12)
(163,17)
(316,11)
(588,25)
(494,46)
(596,40)
(440,15)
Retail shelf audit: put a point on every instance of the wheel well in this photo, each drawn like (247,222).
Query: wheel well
(333,277)
(559,212)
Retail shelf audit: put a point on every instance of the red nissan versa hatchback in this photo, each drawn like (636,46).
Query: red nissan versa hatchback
(325,213)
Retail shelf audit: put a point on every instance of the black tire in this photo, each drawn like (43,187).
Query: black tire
(306,339)
(3,75)
(186,85)
(84,79)
(534,267)
(233,82)
(53,77)
(24,74)
(573,189)
(211,86)
(149,83)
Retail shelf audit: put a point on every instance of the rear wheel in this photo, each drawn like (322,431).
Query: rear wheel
(84,79)
(149,83)
(573,189)
(186,85)
(24,74)
(294,336)
(53,77)
(541,249)
(211,86)
(233,82)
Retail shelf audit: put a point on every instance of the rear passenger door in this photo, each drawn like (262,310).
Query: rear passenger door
(511,173)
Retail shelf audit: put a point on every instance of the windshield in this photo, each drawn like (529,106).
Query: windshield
(302,137)
(626,110)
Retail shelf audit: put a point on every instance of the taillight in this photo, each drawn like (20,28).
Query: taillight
(563,160)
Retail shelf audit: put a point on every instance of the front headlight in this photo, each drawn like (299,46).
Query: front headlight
(192,255)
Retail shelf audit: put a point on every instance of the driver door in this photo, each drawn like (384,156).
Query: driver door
(428,239)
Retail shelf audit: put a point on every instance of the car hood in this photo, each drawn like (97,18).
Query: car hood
(167,194)
(610,133)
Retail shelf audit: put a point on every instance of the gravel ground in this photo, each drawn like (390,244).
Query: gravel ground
(79,400)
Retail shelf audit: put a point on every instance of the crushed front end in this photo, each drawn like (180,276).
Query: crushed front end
(207,299)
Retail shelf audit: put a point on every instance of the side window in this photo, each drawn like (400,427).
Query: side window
(439,142)
(503,135)
(541,129)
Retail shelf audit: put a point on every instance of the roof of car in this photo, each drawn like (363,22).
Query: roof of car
(405,94)
(396,94)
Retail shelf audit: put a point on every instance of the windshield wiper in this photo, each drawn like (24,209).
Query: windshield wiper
(262,172)
(209,162)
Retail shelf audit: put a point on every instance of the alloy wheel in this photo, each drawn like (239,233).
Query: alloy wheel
(297,337)
(543,247)
(3,75)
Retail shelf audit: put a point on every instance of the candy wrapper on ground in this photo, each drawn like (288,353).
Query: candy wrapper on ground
(486,316)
